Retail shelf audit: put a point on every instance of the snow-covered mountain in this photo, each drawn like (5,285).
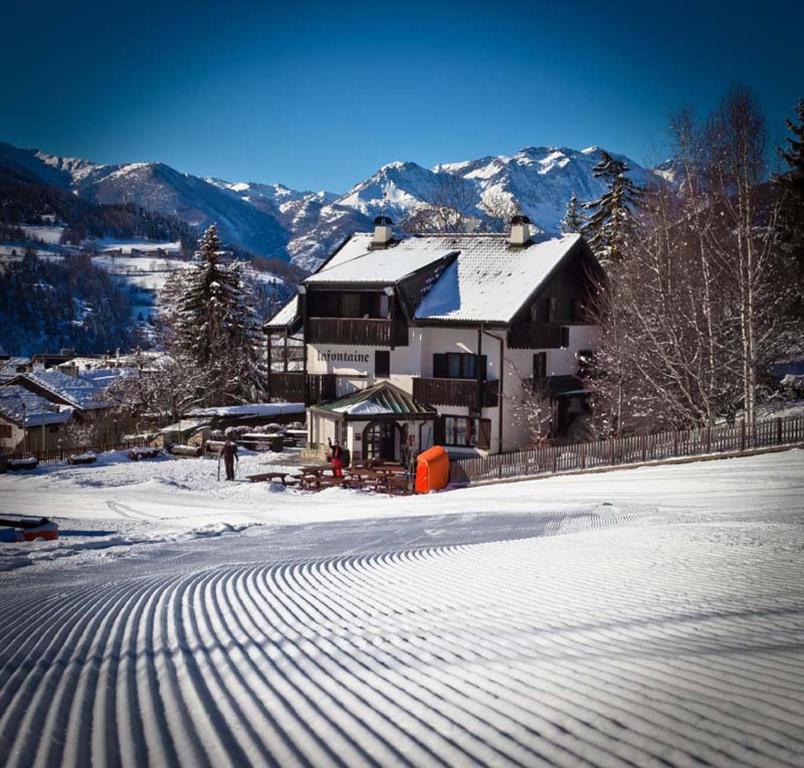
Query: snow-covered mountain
(305,226)
(540,179)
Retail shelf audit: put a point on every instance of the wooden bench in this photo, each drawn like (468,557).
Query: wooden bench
(270,477)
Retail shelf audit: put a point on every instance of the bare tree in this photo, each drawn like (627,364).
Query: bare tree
(692,314)
(531,405)
(500,208)
(747,234)
(450,209)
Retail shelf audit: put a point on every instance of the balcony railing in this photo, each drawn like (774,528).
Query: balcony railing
(455,392)
(556,386)
(290,387)
(535,336)
(357,331)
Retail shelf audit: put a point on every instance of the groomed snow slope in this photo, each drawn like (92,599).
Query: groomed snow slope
(645,617)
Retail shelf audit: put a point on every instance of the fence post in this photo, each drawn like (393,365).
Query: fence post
(778,431)
(742,436)
(583,455)
(709,439)
(644,448)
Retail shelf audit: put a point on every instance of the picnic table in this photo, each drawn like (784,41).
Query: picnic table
(313,476)
(380,477)
(271,477)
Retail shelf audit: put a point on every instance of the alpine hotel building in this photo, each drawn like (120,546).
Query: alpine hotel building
(399,344)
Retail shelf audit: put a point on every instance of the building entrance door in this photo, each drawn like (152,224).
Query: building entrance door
(379,440)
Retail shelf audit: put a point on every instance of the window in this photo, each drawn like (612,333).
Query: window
(552,311)
(458,365)
(539,366)
(464,431)
(540,311)
(565,336)
(577,311)
(382,363)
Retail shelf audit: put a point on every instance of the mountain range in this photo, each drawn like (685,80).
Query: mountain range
(304,226)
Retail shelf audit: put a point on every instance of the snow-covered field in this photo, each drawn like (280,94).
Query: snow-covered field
(638,617)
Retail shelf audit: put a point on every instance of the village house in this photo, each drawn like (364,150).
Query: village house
(29,422)
(82,395)
(444,339)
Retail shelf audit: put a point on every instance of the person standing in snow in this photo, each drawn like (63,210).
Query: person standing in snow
(229,458)
(337,458)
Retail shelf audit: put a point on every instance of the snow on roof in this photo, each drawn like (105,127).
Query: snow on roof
(10,365)
(103,377)
(250,409)
(286,315)
(489,280)
(357,262)
(84,392)
(16,402)
(380,399)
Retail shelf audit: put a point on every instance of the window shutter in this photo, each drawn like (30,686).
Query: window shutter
(382,363)
(482,359)
(539,365)
(439,432)
(440,366)
(484,434)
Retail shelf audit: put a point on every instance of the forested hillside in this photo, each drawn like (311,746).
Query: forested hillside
(47,305)
(24,202)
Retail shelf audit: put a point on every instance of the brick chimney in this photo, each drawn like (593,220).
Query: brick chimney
(383,232)
(520,231)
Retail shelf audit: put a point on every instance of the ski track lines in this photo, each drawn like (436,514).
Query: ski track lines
(658,648)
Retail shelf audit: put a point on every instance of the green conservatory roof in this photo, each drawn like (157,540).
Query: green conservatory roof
(382,400)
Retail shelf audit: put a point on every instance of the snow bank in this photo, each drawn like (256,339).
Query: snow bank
(251,409)
(659,623)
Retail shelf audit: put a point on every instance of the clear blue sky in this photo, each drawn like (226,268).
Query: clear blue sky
(318,95)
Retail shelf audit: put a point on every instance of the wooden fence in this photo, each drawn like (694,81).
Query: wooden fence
(60,454)
(634,449)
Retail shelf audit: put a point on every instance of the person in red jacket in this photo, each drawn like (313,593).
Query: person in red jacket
(337,458)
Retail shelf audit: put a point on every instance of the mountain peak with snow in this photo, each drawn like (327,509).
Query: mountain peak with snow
(304,226)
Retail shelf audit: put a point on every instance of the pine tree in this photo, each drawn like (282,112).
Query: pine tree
(214,324)
(791,189)
(574,219)
(608,226)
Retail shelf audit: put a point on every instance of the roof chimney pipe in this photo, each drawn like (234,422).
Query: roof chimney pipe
(383,232)
(520,231)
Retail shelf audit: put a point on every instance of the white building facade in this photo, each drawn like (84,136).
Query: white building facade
(399,344)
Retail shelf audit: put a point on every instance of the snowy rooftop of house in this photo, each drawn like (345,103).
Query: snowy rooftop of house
(383,399)
(10,365)
(249,409)
(489,280)
(286,315)
(85,393)
(16,401)
(356,262)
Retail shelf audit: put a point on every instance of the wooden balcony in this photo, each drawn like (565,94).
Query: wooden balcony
(557,386)
(455,392)
(290,386)
(535,336)
(357,331)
